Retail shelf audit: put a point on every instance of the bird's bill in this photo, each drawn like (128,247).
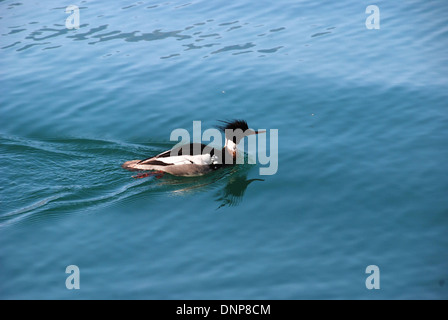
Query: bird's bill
(250,132)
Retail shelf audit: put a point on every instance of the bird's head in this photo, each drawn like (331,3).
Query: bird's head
(235,131)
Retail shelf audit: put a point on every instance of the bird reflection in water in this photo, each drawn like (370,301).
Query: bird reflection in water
(231,185)
(233,192)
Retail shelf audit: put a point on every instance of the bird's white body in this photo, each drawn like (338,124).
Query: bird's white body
(195,159)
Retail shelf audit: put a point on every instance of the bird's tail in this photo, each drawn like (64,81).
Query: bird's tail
(131,165)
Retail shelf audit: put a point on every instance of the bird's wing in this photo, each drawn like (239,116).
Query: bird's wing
(192,153)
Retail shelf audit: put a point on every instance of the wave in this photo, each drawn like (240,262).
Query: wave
(65,176)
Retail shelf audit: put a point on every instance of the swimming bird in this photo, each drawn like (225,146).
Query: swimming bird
(195,159)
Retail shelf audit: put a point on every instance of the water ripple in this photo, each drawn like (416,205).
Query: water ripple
(235,47)
(73,175)
(102,33)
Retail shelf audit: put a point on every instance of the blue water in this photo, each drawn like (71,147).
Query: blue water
(363,128)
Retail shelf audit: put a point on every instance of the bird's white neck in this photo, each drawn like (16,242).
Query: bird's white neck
(231,147)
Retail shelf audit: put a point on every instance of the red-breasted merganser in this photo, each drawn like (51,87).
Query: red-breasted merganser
(195,159)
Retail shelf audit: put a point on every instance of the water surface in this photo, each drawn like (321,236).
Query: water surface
(362,179)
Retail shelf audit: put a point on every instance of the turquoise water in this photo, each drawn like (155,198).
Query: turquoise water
(362,177)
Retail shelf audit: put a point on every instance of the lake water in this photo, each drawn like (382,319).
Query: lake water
(362,135)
